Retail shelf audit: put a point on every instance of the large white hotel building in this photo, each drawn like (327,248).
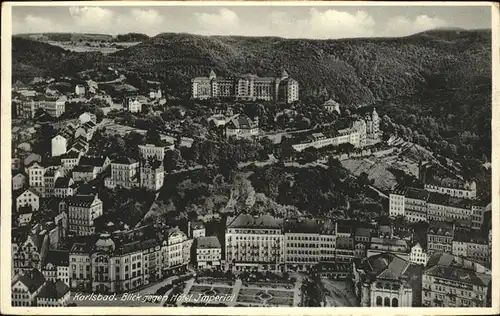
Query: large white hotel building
(247,87)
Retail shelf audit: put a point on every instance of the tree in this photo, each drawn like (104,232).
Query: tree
(152,136)
(171,161)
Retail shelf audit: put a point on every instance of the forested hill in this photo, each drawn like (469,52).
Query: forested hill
(355,71)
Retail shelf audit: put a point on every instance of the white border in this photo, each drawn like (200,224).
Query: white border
(5,271)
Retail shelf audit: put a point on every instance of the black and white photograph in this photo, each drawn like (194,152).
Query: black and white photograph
(275,155)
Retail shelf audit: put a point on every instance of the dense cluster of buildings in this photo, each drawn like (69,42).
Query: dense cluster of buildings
(247,87)
(430,204)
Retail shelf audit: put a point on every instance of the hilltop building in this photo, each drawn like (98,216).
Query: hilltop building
(247,87)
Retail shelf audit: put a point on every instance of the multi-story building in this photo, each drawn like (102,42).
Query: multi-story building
(422,205)
(254,243)
(471,245)
(208,252)
(35,176)
(49,179)
(302,243)
(354,135)
(56,107)
(64,187)
(451,281)
(70,160)
(178,251)
(84,173)
(99,162)
(196,229)
(18,181)
(124,173)
(82,211)
(53,294)
(28,250)
(386,280)
(395,246)
(27,197)
(418,255)
(241,125)
(123,261)
(152,175)
(59,145)
(247,87)
(28,106)
(26,287)
(134,104)
(440,237)
(442,207)
(453,188)
(79,90)
(55,267)
(153,151)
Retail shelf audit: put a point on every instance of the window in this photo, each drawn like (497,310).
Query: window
(387,301)
(379,301)
(394,302)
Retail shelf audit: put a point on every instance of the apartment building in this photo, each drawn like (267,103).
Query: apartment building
(124,173)
(452,281)
(208,252)
(440,237)
(254,243)
(26,287)
(82,211)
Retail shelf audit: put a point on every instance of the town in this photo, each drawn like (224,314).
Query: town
(94,172)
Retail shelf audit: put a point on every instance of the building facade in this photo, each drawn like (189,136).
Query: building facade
(82,211)
(451,281)
(246,87)
(254,243)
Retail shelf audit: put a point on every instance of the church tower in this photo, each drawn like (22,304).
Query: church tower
(212,75)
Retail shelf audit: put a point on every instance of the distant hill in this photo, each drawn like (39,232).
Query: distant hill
(354,71)
(131,37)
(66,37)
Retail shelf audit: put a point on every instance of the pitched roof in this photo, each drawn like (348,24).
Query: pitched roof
(81,200)
(33,280)
(124,161)
(70,155)
(53,290)
(302,226)
(83,168)
(387,266)
(95,161)
(448,266)
(241,121)
(63,183)
(249,221)
(57,258)
(208,242)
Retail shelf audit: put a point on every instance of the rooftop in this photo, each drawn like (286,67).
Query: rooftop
(448,266)
(81,200)
(208,242)
(249,221)
(54,290)
(302,226)
(33,280)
